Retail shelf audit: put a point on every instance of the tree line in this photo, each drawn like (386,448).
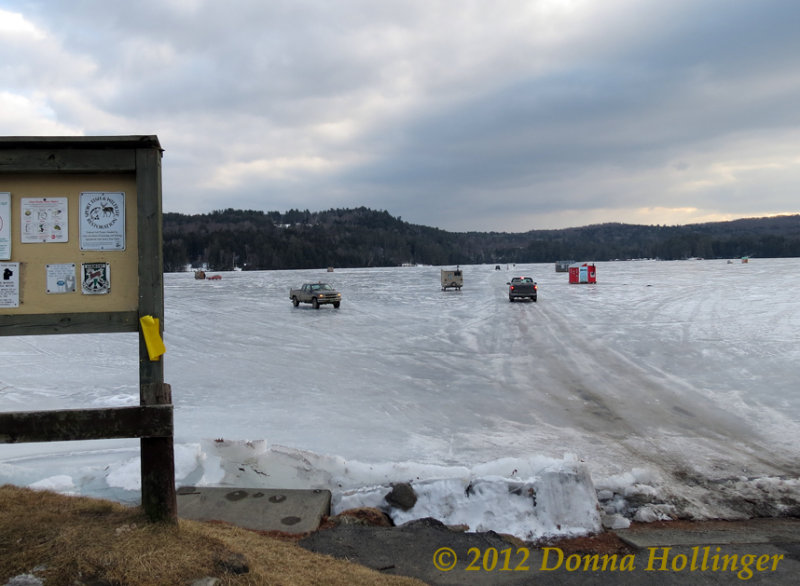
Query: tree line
(361,237)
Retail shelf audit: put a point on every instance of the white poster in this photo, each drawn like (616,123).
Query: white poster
(5,226)
(9,284)
(44,219)
(60,278)
(102,222)
(95,278)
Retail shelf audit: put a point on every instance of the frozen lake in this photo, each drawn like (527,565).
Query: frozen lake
(670,387)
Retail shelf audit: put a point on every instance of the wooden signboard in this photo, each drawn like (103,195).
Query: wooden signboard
(81,253)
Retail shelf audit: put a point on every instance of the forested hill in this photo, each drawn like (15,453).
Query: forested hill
(363,237)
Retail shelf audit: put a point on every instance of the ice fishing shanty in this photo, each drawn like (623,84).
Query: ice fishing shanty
(582,273)
(452,279)
(562,266)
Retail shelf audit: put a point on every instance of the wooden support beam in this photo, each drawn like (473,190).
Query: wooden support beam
(69,323)
(86,424)
(73,154)
(59,160)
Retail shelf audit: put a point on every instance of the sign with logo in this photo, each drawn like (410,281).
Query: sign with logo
(9,284)
(61,278)
(102,220)
(95,278)
(44,219)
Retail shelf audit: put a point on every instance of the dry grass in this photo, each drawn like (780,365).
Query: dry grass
(75,540)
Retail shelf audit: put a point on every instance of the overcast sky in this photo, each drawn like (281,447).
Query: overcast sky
(504,115)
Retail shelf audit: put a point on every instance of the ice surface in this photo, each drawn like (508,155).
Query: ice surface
(666,389)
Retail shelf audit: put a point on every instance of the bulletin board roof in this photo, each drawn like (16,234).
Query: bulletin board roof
(80,142)
(69,154)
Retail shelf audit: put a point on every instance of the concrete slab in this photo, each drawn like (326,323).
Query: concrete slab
(751,531)
(291,510)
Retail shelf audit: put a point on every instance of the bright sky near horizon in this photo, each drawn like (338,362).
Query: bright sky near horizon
(465,115)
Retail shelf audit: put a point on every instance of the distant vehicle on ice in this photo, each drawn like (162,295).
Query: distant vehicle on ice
(316,294)
(522,288)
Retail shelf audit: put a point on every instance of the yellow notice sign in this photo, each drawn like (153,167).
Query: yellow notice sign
(152,337)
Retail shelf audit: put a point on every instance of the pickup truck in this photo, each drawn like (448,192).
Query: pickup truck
(316,294)
(522,287)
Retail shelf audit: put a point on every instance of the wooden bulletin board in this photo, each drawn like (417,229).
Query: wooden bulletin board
(92,204)
(65,168)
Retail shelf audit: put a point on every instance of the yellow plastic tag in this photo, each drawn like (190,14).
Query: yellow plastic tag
(152,337)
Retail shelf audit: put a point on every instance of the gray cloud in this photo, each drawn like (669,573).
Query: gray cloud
(468,116)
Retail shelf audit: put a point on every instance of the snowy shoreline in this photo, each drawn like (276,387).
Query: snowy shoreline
(540,497)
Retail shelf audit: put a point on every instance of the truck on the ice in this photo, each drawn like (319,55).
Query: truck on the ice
(316,294)
(521,288)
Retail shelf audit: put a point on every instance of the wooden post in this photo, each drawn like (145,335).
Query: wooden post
(159,499)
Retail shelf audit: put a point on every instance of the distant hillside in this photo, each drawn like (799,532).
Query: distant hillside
(363,237)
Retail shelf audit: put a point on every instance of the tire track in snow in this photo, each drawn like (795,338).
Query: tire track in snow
(654,416)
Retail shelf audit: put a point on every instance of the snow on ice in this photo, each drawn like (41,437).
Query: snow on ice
(668,389)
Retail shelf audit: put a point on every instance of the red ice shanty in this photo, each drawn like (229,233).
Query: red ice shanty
(582,273)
